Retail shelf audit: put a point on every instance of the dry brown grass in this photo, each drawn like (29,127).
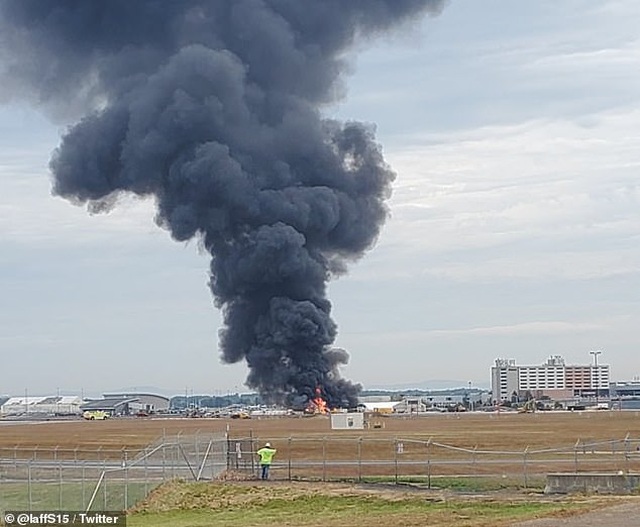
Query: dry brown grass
(482,430)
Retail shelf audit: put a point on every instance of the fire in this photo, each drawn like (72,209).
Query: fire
(318,405)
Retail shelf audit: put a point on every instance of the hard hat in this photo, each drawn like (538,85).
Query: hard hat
(268,445)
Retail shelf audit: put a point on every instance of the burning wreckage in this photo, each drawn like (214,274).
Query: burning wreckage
(317,405)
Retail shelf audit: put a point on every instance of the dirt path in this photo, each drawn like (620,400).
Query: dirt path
(624,515)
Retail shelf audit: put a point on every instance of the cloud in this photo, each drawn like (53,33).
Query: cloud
(534,328)
(606,59)
(540,199)
(552,327)
(627,9)
(31,215)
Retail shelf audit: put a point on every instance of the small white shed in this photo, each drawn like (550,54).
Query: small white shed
(347,421)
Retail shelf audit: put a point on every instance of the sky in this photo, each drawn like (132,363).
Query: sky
(514,130)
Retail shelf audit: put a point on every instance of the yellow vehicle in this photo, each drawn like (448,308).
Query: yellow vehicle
(528,407)
(93,415)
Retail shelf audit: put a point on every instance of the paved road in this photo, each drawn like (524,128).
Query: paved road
(624,515)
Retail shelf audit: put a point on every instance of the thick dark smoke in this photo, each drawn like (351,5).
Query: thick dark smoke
(214,109)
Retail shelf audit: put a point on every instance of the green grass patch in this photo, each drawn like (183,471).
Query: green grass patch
(465,484)
(327,505)
(112,495)
(353,511)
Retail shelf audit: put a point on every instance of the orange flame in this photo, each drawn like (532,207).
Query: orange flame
(318,405)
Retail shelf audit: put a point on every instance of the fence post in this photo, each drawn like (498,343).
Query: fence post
(234,455)
(178,448)
(164,459)
(575,455)
(95,492)
(429,463)
(174,459)
(84,498)
(626,453)
(324,458)
(360,459)
(231,457)
(29,485)
(212,465)
(125,465)
(104,471)
(474,464)
(60,486)
(203,464)
(252,448)
(524,461)
(395,458)
(2,488)
(146,474)
(290,445)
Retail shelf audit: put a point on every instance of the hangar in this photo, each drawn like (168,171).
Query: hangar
(111,405)
(147,402)
(42,405)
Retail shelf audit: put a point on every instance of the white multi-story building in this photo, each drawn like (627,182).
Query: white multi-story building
(554,379)
(504,380)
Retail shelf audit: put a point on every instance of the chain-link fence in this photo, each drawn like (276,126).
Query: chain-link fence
(108,479)
(103,479)
(428,461)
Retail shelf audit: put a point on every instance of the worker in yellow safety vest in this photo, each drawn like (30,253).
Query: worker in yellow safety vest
(266,454)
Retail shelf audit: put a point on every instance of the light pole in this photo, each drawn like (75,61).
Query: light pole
(596,375)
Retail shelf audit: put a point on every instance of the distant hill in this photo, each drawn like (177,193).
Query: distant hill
(143,389)
(434,384)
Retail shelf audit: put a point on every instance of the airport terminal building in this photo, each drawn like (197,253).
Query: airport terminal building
(554,379)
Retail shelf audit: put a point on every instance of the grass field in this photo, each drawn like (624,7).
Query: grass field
(68,496)
(252,504)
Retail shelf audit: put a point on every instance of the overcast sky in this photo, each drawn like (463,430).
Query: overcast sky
(514,128)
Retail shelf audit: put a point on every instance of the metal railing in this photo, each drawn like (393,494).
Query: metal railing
(104,479)
(427,460)
(110,479)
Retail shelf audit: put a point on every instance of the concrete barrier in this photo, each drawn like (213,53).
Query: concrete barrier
(592,483)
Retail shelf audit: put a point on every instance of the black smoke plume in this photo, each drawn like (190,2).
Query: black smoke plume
(213,108)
